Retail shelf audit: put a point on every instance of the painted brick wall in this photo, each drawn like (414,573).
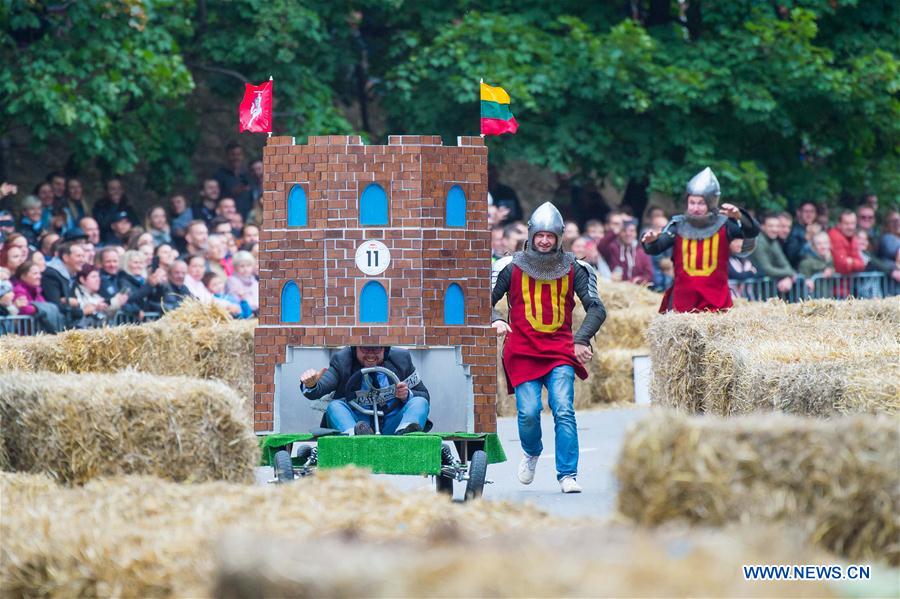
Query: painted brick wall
(416,172)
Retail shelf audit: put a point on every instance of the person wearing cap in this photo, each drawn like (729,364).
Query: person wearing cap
(111,205)
(540,349)
(700,240)
(407,407)
(7,224)
(120,226)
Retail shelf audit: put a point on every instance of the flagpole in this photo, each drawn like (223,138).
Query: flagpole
(480,81)
(271,125)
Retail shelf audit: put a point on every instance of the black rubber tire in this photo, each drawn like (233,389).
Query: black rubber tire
(444,484)
(284,469)
(477,475)
(303,453)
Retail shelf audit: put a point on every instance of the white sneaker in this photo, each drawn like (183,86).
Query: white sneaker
(526,469)
(568,484)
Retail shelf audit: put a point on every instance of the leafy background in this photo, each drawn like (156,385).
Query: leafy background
(786,100)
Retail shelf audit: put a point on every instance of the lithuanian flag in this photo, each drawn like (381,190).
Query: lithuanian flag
(495,115)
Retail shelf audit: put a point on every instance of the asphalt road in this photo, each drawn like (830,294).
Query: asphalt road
(600,435)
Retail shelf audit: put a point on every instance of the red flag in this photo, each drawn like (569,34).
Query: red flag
(255,111)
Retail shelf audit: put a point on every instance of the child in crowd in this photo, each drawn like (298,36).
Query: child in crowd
(9,305)
(242,284)
(215,284)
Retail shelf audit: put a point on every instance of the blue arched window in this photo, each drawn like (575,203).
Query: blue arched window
(373,303)
(296,207)
(454,305)
(290,302)
(373,206)
(456,207)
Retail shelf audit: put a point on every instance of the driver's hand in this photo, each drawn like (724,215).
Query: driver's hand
(310,378)
(401,391)
(583,353)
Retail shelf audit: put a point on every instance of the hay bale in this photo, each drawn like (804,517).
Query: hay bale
(625,328)
(4,457)
(610,379)
(197,314)
(76,428)
(146,537)
(617,295)
(817,358)
(225,353)
(598,561)
(839,479)
(197,340)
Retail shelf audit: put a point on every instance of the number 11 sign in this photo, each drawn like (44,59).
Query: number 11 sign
(373,257)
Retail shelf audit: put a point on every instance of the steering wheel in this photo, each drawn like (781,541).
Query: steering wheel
(369,402)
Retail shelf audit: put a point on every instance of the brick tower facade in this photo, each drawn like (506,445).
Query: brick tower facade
(427,204)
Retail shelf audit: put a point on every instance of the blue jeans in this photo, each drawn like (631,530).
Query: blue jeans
(560,383)
(342,417)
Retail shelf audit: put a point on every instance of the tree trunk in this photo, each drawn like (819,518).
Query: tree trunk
(660,13)
(694,19)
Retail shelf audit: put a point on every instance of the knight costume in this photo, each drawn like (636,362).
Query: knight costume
(540,351)
(700,250)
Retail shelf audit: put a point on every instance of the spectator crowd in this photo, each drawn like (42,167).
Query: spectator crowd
(792,249)
(73,264)
(70,263)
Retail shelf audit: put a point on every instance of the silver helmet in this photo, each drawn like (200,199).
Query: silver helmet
(706,185)
(546,218)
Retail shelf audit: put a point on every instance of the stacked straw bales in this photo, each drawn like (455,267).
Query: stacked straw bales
(819,358)
(80,427)
(344,534)
(840,478)
(196,340)
(629,310)
(146,537)
(598,561)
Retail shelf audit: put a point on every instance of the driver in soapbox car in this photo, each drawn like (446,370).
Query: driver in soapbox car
(404,406)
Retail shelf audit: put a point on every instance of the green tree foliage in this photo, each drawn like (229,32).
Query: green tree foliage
(99,76)
(785,103)
(786,99)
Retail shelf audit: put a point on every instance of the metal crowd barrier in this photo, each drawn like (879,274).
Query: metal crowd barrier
(27,325)
(18,325)
(863,285)
(122,318)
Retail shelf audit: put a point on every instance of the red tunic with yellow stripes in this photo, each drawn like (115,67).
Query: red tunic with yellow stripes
(540,315)
(701,275)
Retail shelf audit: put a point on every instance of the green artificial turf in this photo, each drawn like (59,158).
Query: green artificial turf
(384,454)
(492,446)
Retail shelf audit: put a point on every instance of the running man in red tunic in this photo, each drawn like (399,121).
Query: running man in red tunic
(699,240)
(540,350)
